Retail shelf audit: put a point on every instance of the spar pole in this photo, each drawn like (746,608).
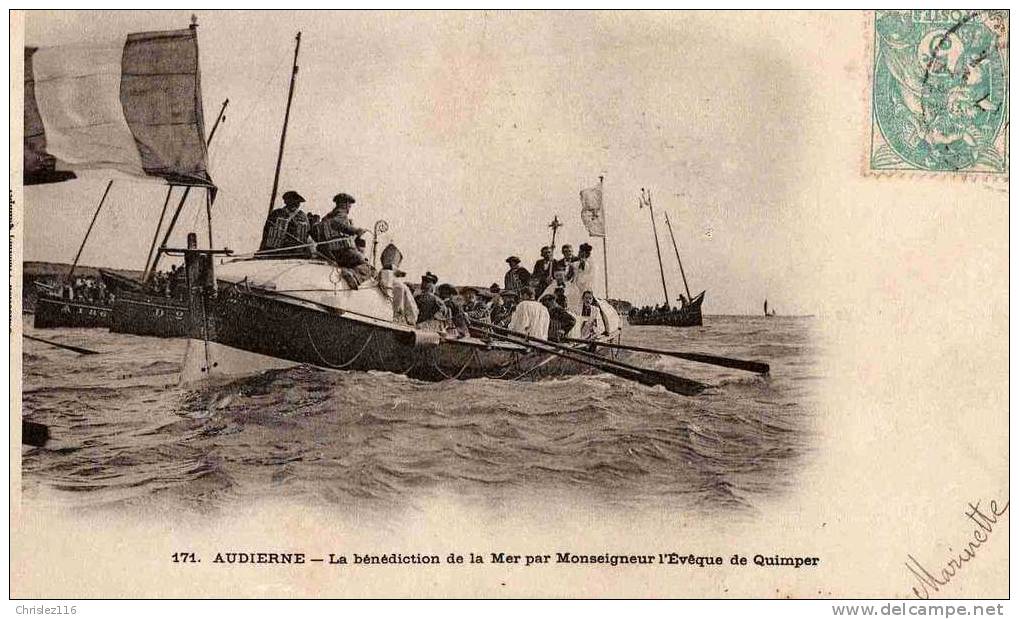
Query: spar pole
(286,120)
(646,199)
(77,256)
(675,247)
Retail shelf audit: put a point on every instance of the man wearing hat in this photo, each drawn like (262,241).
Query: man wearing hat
(501,307)
(432,312)
(517,276)
(405,309)
(459,325)
(339,231)
(474,307)
(287,227)
(541,275)
(564,265)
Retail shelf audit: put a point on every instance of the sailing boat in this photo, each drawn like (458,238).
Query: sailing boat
(156,105)
(152,307)
(766,313)
(688,314)
(272,310)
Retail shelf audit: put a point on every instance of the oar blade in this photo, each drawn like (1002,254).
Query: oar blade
(726,362)
(671,382)
(77,349)
(652,378)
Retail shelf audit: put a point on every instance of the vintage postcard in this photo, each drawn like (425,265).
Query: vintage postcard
(509,304)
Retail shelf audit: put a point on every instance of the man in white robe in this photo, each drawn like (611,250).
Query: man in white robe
(530,317)
(405,309)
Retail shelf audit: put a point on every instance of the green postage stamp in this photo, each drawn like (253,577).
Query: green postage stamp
(939,102)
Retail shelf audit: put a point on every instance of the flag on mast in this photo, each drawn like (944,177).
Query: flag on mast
(591,211)
(133,105)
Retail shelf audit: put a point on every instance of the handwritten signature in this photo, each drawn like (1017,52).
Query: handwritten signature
(985,525)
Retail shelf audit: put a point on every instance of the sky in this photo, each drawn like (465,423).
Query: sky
(469,131)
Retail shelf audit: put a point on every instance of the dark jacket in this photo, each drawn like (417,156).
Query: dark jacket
(429,305)
(541,276)
(285,228)
(516,278)
(560,323)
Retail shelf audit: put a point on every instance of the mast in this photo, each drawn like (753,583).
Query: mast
(645,198)
(689,297)
(604,244)
(74,264)
(155,237)
(286,120)
(180,205)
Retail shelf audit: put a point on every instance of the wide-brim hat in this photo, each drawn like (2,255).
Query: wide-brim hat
(513,260)
(291,196)
(430,277)
(585,247)
(344,198)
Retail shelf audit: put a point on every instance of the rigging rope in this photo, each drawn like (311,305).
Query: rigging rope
(342,366)
(471,357)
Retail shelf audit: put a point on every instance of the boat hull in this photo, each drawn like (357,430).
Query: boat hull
(144,314)
(53,313)
(687,316)
(234,332)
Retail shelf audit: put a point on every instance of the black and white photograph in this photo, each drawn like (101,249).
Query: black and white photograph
(509,304)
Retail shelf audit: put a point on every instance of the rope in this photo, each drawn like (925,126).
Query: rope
(550,357)
(471,357)
(330,365)
(258,102)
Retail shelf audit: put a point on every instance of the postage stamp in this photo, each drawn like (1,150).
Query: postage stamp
(939,102)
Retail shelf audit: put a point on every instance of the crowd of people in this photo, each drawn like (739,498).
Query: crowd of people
(553,300)
(169,284)
(664,308)
(87,289)
(536,303)
(449,310)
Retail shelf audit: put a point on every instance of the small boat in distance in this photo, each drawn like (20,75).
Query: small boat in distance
(766,313)
(688,314)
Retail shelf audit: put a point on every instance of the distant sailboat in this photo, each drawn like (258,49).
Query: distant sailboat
(689,312)
(766,313)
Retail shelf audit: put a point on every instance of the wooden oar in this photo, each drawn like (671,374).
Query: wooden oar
(81,351)
(725,362)
(645,376)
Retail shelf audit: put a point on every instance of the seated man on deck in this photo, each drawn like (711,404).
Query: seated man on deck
(590,317)
(355,269)
(475,308)
(561,321)
(338,233)
(286,227)
(432,312)
(530,317)
(458,318)
(499,310)
(405,309)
